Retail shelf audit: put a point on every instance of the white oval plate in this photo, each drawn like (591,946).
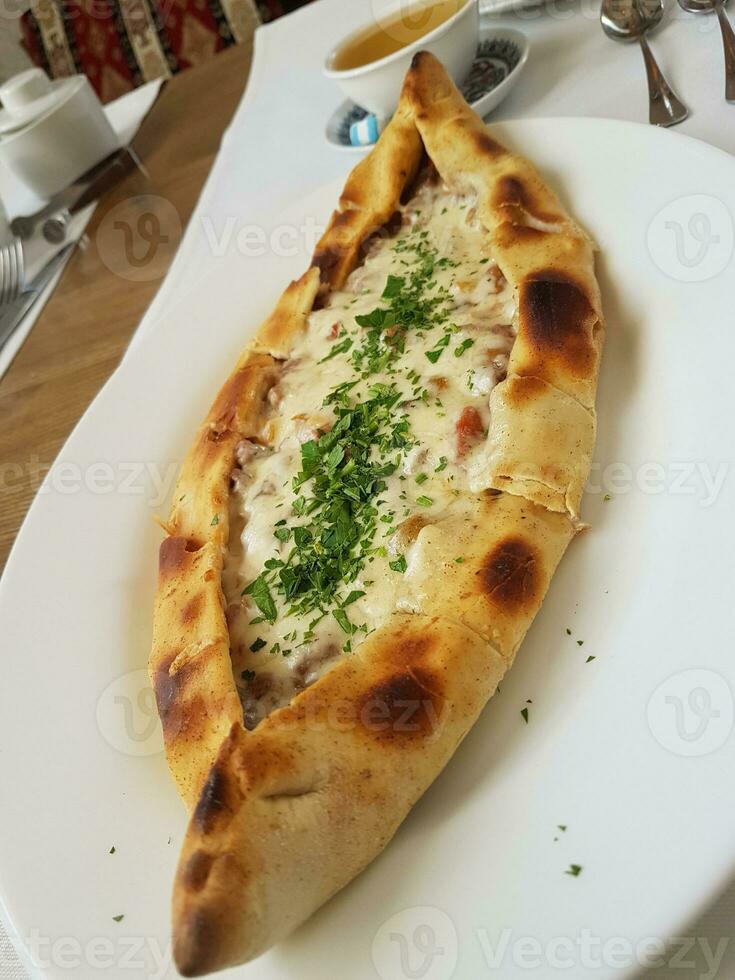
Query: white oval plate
(633,751)
(501,57)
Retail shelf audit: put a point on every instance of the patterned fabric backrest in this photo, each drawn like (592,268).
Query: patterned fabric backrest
(120,44)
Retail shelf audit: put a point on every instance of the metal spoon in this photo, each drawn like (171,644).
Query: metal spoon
(728,37)
(630,20)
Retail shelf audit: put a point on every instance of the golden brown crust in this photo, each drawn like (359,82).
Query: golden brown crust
(508,549)
(285,815)
(288,319)
(549,260)
(294,810)
(370,198)
(540,443)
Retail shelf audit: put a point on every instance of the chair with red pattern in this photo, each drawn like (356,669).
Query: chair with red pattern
(120,44)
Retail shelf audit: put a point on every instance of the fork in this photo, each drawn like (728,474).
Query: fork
(12,271)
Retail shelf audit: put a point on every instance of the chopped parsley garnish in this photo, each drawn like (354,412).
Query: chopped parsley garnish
(336,517)
(341,616)
(589,659)
(411,303)
(461,348)
(248,675)
(353,597)
(399,565)
(524,714)
(113,849)
(341,348)
(342,474)
(574,870)
(118,918)
(214,521)
(262,597)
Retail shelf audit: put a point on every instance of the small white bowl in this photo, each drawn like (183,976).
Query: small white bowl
(377,85)
(499,61)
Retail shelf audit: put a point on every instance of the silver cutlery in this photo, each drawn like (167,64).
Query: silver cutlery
(13,314)
(728,37)
(630,20)
(55,216)
(12,271)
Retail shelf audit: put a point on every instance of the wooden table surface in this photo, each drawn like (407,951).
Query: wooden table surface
(85,328)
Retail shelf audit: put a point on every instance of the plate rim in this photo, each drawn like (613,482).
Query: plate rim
(708,893)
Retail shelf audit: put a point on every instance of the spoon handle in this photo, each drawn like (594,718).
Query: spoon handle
(664,108)
(728,43)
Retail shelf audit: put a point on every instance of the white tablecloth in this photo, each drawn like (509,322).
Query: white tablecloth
(274,153)
(276,142)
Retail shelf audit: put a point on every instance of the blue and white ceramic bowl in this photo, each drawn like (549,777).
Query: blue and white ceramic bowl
(500,59)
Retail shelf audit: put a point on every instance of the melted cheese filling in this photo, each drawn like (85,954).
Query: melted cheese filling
(437,345)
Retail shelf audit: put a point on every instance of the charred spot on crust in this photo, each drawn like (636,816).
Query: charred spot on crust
(180,715)
(326,260)
(166,688)
(345,218)
(487,145)
(192,609)
(405,706)
(195,872)
(510,576)
(512,192)
(509,190)
(212,802)
(556,317)
(197,941)
(172,555)
(523,390)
